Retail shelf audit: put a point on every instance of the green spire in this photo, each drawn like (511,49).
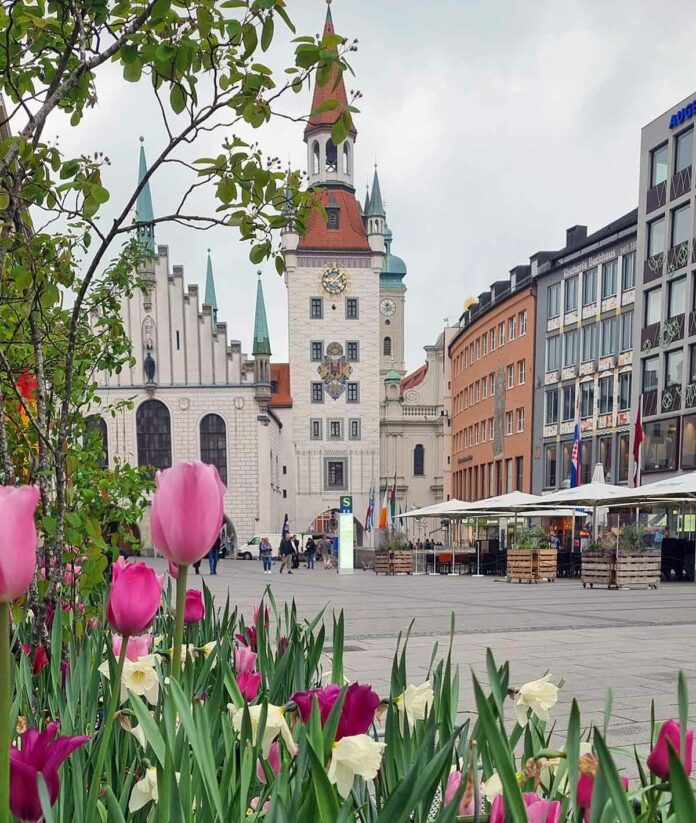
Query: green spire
(376,207)
(210,299)
(262,343)
(366,207)
(143,206)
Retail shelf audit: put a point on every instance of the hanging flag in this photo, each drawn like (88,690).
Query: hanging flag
(576,454)
(370,514)
(391,515)
(385,506)
(637,441)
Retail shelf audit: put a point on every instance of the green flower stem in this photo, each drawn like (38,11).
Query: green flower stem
(165,787)
(5,702)
(105,736)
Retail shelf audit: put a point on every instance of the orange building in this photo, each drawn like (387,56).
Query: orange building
(492,367)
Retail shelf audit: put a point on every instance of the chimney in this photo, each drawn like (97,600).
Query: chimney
(575,235)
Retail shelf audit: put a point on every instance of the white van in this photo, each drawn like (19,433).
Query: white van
(250,550)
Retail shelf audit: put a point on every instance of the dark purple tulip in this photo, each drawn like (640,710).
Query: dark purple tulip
(248,638)
(358,711)
(282,645)
(40,753)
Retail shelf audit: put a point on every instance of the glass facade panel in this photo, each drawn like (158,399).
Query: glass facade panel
(551,406)
(681,224)
(660,443)
(609,278)
(587,399)
(627,331)
(658,165)
(589,287)
(651,366)
(628,271)
(674,368)
(568,402)
(688,455)
(570,302)
(683,151)
(656,237)
(653,307)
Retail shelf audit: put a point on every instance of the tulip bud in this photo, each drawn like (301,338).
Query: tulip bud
(194,609)
(136,592)
(17,540)
(658,759)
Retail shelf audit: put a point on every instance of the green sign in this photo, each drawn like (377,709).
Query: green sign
(345,504)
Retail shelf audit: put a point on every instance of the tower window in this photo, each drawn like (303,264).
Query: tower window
(352,308)
(316,308)
(387,346)
(346,158)
(331,156)
(333,217)
(419,461)
(315,158)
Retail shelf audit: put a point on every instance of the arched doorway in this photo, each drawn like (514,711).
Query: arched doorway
(327,523)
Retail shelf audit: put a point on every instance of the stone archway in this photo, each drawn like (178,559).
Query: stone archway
(327,523)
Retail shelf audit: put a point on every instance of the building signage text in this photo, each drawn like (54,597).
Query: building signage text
(683,114)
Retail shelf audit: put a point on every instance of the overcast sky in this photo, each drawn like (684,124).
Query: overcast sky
(496,125)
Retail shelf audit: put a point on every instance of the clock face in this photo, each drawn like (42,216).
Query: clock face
(387,307)
(334,280)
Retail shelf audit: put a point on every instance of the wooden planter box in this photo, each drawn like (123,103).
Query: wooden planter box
(532,564)
(387,562)
(642,567)
(597,569)
(545,564)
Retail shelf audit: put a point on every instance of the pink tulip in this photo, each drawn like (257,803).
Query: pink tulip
(120,565)
(137,646)
(194,609)
(586,787)
(71,574)
(249,683)
(658,759)
(539,810)
(136,592)
(187,511)
(39,753)
(173,570)
(17,540)
(40,659)
(266,618)
(248,638)
(453,784)
(244,659)
(358,710)
(273,762)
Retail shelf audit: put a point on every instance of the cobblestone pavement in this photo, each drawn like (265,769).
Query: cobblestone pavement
(632,641)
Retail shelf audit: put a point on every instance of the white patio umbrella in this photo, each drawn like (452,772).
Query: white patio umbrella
(436,510)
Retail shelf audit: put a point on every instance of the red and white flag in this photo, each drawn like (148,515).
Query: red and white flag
(637,440)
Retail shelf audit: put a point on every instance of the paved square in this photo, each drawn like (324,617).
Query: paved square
(632,641)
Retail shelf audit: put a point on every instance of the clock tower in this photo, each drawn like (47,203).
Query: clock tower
(333,282)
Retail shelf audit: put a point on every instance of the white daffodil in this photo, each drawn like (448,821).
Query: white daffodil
(415,702)
(144,791)
(140,677)
(139,734)
(276,724)
(492,787)
(208,648)
(537,695)
(357,754)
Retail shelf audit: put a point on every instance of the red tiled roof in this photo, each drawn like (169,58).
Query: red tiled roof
(415,378)
(350,234)
(280,374)
(329,91)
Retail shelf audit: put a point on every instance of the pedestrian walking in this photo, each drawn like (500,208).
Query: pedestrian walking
(296,551)
(213,555)
(310,551)
(286,553)
(326,551)
(266,552)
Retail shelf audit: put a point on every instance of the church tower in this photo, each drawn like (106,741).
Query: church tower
(262,348)
(333,283)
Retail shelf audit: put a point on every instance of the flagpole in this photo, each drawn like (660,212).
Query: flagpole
(640,453)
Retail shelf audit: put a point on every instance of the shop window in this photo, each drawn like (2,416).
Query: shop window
(660,443)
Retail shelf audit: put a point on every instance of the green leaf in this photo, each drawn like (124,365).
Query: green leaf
(152,732)
(133,71)
(327,803)
(177,98)
(573,753)
(257,253)
(129,54)
(267,33)
(682,791)
(280,264)
(337,652)
(99,193)
(683,701)
(115,813)
(615,789)
(45,799)
(339,132)
(4,199)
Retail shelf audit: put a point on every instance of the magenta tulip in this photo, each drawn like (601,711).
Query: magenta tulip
(244,659)
(658,759)
(136,592)
(249,684)
(453,783)
(173,570)
(194,609)
(248,638)
(586,787)
(266,618)
(539,810)
(358,710)
(187,511)
(273,762)
(17,540)
(137,646)
(39,753)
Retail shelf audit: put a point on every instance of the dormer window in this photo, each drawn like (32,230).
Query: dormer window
(332,213)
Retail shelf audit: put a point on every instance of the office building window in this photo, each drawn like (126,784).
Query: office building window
(589,287)
(553,300)
(477,438)
(624,442)
(478,348)
(508,423)
(508,475)
(660,444)
(551,407)
(681,224)
(484,343)
(501,334)
(566,451)
(519,473)
(353,351)
(658,165)
(688,458)
(419,460)
(604,457)
(625,391)
(352,312)
(586,460)
(316,308)
(491,428)
(335,430)
(483,431)
(570,301)
(627,331)
(608,337)
(316,350)
(484,388)
(315,429)
(692,364)
(550,466)
(589,342)
(520,420)
(522,323)
(570,355)
(677,297)
(674,368)
(521,372)
(477,390)
(587,399)
(510,376)
(650,373)
(352,393)
(606,395)
(553,352)
(491,384)
(317,392)
(683,150)
(609,270)
(628,271)
(568,402)
(491,339)
(653,306)
(512,328)
(336,474)
(656,237)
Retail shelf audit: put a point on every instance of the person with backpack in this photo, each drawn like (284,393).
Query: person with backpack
(287,551)
(266,553)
